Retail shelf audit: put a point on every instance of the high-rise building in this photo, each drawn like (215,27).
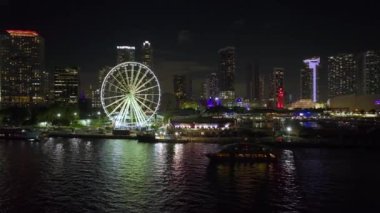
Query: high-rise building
(102,74)
(179,86)
(210,87)
(22,68)
(147,54)
(306,86)
(227,72)
(312,65)
(370,70)
(66,85)
(204,89)
(278,89)
(253,82)
(125,53)
(213,85)
(342,74)
(261,87)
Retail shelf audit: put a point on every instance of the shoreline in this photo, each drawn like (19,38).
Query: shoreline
(268,141)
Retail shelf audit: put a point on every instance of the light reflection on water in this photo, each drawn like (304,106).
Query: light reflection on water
(119,175)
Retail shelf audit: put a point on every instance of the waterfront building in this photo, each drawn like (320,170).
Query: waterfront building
(227,72)
(309,82)
(22,67)
(125,53)
(66,85)
(342,75)
(147,54)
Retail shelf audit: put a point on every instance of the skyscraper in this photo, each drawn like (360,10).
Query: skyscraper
(66,85)
(370,69)
(102,74)
(253,82)
(306,85)
(227,72)
(210,87)
(125,53)
(179,86)
(147,54)
(22,68)
(213,85)
(312,65)
(278,87)
(342,74)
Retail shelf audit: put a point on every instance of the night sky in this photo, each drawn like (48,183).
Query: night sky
(186,35)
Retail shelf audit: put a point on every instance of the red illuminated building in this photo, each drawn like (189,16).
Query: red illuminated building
(280,98)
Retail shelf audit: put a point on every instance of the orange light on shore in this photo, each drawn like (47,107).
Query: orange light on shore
(27,33)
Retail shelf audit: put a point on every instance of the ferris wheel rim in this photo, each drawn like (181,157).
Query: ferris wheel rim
(138,94)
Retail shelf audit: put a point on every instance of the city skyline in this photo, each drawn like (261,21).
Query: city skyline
(275,34)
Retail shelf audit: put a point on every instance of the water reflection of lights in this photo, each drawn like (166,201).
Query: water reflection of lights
(160,151)
(178,155)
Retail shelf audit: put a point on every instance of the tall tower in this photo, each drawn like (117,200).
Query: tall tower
(370,68)
(125,53)
(22,68)
(278,87)
(147,54)
(342,75)
(227,72)
(312,64)
(66,85)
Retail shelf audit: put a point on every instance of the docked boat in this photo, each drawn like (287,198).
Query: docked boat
(18,133)
(243,152)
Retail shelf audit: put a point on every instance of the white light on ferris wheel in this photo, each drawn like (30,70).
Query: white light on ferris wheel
(130,95)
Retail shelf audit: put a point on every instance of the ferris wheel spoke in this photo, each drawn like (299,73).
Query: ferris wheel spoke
(114,102)
(142,78)
(136,112)
(136,77)
(110,97)
(146,94)
(120,83)
(119,116)
(145,89)
(132,71)
(145,83)
(142,103)
(126,74)
(145,99)
(141,113)
(118,106)
(112,84)
(125,113)
(122,78)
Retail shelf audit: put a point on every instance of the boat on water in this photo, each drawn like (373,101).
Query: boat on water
(243,152)
(18,133)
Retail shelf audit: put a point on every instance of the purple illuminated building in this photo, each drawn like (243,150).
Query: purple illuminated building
(312,64)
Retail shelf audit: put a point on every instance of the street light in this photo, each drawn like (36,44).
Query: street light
(59,115)
(289,129)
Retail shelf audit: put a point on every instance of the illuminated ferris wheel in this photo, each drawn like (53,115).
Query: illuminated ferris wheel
(130,95)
